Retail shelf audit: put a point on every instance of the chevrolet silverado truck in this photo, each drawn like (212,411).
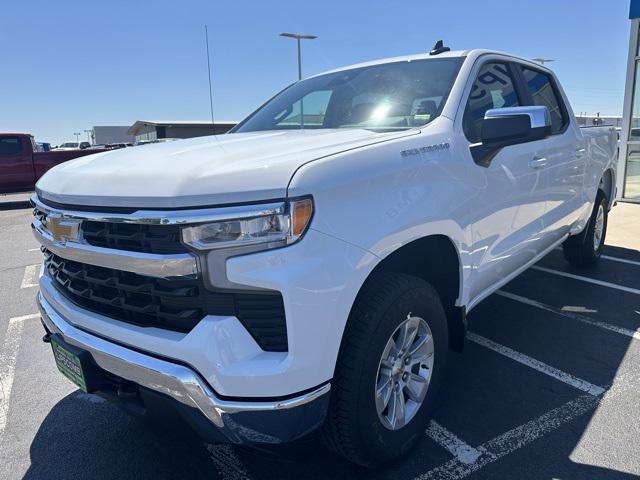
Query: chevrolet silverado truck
(22,163)
(313,268)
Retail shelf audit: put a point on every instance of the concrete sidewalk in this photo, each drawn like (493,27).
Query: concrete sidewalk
(623,229)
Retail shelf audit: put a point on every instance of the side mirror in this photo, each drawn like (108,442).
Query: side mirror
(503,127)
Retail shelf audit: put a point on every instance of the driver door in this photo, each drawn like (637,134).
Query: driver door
(509,204)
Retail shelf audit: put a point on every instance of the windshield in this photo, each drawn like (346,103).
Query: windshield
(390,96)
(69,145)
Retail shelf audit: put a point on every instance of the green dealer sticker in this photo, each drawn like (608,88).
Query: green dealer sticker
(69,364)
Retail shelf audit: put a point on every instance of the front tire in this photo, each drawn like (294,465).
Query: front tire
(391,362)
(584,249)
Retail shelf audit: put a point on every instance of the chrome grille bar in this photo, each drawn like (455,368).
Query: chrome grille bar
(150,264)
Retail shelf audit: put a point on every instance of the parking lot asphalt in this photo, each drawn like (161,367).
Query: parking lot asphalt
(548,386)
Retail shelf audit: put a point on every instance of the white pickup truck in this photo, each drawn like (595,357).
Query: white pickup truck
(312,269)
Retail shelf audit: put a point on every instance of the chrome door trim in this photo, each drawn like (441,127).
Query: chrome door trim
(538,162)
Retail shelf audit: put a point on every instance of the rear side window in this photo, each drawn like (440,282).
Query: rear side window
(10,145)
(542,93)
(493,88)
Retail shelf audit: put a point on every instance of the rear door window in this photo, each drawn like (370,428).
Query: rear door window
(493,88)
(543,93)
(10,146)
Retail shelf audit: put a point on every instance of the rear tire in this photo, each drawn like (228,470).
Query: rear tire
(386,313)
(584,249)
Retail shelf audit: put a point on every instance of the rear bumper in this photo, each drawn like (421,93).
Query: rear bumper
(273,421)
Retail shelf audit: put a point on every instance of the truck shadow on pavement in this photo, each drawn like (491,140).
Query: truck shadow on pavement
(86,437)
(489,399)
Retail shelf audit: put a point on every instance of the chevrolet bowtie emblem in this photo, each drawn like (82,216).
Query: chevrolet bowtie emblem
(62,229)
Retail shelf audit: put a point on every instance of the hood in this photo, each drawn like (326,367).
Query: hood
(223,169)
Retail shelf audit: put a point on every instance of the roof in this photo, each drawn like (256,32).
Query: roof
(402,58)
(426,56)
(139,124)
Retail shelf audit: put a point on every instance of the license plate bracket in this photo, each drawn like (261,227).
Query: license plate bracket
(75,364)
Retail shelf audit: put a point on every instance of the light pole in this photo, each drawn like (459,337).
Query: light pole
(542,61)
(88,138)
(77,137)
(298,37)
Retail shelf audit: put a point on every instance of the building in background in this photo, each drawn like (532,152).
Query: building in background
(589,120)
(629,166)
(103,135)
(148,130)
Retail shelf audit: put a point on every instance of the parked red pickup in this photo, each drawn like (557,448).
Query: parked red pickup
(21,165)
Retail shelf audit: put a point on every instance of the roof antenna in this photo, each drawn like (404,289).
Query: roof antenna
(213,123)
(439,48)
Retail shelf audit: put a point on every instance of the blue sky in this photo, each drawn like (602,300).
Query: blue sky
(66,66)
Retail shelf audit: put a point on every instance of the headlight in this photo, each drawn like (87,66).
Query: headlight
(272,227)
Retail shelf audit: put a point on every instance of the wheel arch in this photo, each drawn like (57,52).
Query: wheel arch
(607,185)
(435,259)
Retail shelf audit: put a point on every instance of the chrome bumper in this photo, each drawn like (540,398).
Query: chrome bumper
(176,381)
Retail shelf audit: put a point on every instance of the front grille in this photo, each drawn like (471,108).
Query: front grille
(40,215)
(176,304)
(135,237)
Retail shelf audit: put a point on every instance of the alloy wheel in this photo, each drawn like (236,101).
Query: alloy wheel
(404,373)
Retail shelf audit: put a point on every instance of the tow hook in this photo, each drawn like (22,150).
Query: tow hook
(46,338)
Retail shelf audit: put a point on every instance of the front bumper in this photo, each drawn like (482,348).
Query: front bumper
(318,279)
(237,421)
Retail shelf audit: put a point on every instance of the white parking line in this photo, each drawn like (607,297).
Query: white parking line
(621,260)
(602,283)
(33,249)
(514,439)
(574,316)
(537,365)
(450,442)
(8,356)
(615,259)
(525,434)
(29,278)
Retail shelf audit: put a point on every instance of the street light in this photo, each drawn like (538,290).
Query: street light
(542,61)
(77,137)
(298,37)
(88,132)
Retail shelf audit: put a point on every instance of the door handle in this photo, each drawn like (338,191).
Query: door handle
(537,162)
(580,151)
